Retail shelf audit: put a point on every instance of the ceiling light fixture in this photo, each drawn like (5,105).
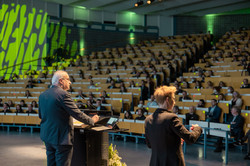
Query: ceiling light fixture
(139,3)
(150,1)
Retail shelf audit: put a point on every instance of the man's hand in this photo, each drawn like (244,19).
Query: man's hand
(194,125)
(95,118)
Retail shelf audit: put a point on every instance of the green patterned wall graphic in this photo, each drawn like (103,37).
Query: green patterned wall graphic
(23,35)
(63,35)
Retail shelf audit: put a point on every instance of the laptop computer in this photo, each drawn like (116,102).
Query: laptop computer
(105,124)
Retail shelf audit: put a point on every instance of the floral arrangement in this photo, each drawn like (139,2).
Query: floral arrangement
(114,158)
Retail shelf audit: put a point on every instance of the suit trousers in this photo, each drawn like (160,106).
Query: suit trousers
(59,155)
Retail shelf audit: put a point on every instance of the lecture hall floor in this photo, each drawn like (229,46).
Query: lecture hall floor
(27,149)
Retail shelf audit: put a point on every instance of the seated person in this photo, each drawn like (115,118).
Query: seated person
(128,115)
(237,124)
(1,102)
(30,85)
(118,79)
(222,84)
(209,85)
(245,84)
(141,104)
(104,94)
(6,108)
(2,80)
(81,74)
(184,96)
(133,71)
(34,104)
(27,94)
(99,106)
(112,85)
(22,103)
(221,97)
(19,109)
(109,79)
(80,95)
(91,99)
(91,85)
(214,112)
(216,90)
(140,113)
(176,110)
(123,89)
(132,84)
(178,89)
(236,100)
(152,102)
(103,100)
(90,105)
(197,85)
(80,105)
(191,115)
(185,85)
(30,110)
(11,104)
(39,81)
(230,91)
(201,103)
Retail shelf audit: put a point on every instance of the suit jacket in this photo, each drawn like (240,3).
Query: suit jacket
(144,93)
(163,131)
(237,128)
(191,117)
(216,114)
(56,109)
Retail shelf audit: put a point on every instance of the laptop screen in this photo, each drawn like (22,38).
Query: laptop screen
(112,121)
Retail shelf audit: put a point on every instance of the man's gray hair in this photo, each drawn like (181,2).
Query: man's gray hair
(57,75)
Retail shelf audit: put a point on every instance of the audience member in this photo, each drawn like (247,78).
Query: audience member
(80,105)
(230,91)
(152,102)
(19,109)
(30,85)
(191,115)
(209,85)
(34,104)
(91,85)
(178,90)
(103,100)
(144,91)
(1,102)
(99,106)
(245,84)
(198,85)
(141,104)
(201,103)
(214,112)
(221,97)
(176,110)
(236,100)
(132,84)
(112,85)
(80,95)
(236,122)
(118,79)
(184,96)
(109,79)
(90,105)
(140,113)
(11,104)
(27,94)
(104,94)
(216,90)
(6,108)
(30,110)
(128,115)
(81,74)
(222,84)
(22,103)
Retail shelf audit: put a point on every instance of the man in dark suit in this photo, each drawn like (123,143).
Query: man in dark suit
(184,96)
(214,112)
(99,106)
(56,109)
(144,91)
(237,123)
(191,115)
(163,131)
